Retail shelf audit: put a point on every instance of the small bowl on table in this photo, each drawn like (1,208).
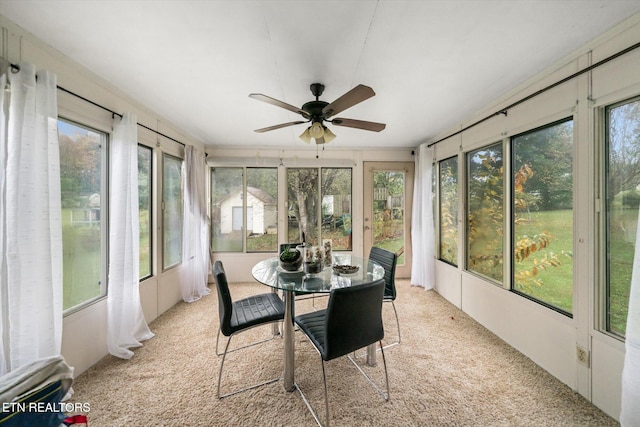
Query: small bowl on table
(346,270)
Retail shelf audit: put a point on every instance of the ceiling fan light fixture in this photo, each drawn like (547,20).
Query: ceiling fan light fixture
(316,130)
(328,135)
(305,136)
(324,135)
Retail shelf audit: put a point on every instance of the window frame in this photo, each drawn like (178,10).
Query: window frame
(512,225)
(318,197)
(602,323)
(508,257)
(105,153)
(504,146)
(439,209)
(166,267)
(151,210)
(244,208)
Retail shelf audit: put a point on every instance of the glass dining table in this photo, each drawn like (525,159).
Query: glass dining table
(269,273)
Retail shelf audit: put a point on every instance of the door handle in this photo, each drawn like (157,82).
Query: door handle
(366,227)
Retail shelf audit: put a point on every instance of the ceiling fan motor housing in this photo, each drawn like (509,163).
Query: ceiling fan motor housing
(314,109)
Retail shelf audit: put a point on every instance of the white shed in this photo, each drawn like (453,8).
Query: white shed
(262,212)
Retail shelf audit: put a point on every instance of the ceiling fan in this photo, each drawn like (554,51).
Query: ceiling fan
(317,112)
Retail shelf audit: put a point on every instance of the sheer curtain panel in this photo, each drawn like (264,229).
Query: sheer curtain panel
(630,407)
(30,219)
(195,236)
(126,326)
(422,229)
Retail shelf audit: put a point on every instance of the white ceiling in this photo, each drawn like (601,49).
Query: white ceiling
(432,63)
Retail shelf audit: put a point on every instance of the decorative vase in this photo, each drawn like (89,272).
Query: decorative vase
(313,258)
(291,264)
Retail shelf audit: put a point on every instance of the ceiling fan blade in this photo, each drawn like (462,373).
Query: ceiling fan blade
(282,125)
(273,101)
(359,124)
(348,100)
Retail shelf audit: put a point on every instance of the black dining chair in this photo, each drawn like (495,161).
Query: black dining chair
(388,260)
(351,321)
(238,316)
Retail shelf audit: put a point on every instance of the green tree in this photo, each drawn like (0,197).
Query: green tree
(449,210)
(303,192)
(624,148)
(485,220)
(80,158)
(548,151)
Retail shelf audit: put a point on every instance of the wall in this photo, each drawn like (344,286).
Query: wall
(84,332)
(547,337)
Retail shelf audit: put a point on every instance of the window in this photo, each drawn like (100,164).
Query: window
(144,207)
(542,212)
(319,205)
(262,209)
(172,211)
(226,194)
(622,195)
(485,212)
(302,205)
(82,152)
(448,183)
(233,203)
(336,207)
(389,211)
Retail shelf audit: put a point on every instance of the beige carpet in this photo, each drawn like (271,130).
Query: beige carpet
(448,371)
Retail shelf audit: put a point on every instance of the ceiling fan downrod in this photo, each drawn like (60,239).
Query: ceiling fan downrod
(316,89)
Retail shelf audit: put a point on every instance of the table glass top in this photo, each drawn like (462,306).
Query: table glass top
(268,272)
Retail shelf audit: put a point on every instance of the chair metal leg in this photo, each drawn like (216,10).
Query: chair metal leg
(381,392)
(326,394)
(218,339)
(326,399)
(306,402)
(385,396)
(386,374)
(245,346)
(275,329)
(224,356)
(398,324)
(393,304)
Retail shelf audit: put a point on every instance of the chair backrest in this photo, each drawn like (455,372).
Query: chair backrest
(225,304)
(354,318)
(388,261)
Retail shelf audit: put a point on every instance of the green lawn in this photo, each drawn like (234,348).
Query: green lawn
(81,257)
(621,255)
(554,283)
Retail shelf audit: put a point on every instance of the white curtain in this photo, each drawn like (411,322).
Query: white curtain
(630,402)
(195,235)
(422,231)
(126,326)
(30,219)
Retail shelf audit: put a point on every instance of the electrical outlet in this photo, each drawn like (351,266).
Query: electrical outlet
(582,354)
